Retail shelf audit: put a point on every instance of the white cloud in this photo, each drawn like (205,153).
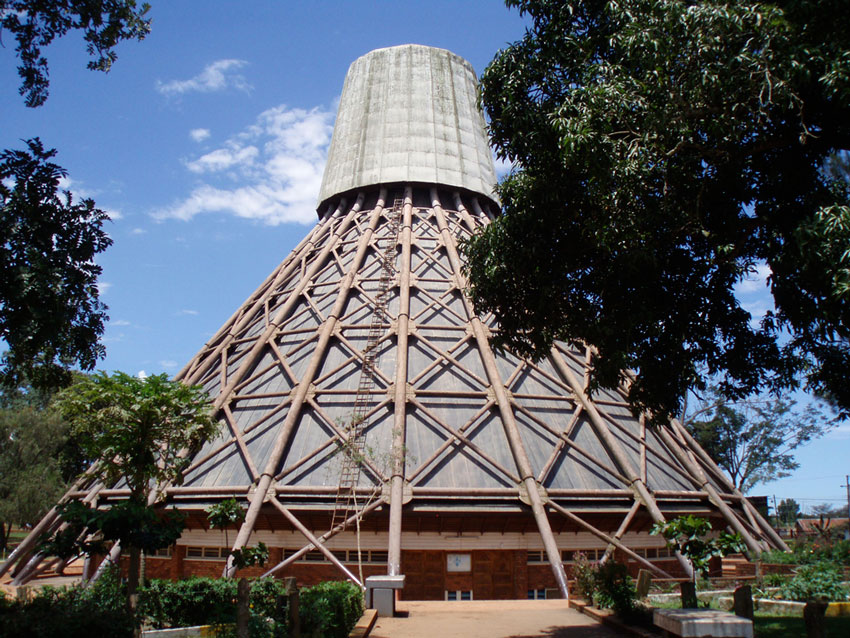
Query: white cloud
(103,287)
(168,364)
(141,374)
(223,158)
(113,214)
(119,322)
(270,172)
(755,281)
(217,76)
(138,231)
(199,134)
(188,312)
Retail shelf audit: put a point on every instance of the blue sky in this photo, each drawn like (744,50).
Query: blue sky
(207,141)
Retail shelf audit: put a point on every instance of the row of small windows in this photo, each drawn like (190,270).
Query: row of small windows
(569,555)
(343,555)
(535,557)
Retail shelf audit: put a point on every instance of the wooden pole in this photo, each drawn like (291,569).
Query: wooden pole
(400,393)
(608,539)
(612,446)
(508,422)
(315,541)
(303,388)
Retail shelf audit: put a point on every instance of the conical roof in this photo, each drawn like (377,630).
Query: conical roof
(359,372)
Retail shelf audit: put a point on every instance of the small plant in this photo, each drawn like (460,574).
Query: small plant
(250,556)
(689,536)
(330,609)
(584,573)
(774,580)
(615,588)
(819,581)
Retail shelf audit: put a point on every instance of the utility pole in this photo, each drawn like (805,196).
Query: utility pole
(847,485)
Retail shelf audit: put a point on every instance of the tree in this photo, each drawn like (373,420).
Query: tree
(689,535)
(828,510)
(136,431)
(50,313)
(36,23)
(788,511)
(35,466)
(664,150)
(754,439)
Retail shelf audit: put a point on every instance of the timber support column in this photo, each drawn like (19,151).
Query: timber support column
(400,394)
(529,485)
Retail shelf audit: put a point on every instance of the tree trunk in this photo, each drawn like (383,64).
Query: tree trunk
(135,555)
(243,613)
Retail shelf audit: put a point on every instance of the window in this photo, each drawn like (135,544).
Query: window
(536,594)
(215,553)
(460,594)
(164,552)
(348,556)
(536,557)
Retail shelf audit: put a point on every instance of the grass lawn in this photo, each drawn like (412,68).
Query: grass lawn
(765,626)
(15,537)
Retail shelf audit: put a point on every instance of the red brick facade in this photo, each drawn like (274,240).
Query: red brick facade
(493,574)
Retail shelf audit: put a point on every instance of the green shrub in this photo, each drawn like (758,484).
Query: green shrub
(330,609)
(584,573)
(775,580)
(807,551)
(185,603)
(68,612)
(812,582)
(615,588)
(203,601)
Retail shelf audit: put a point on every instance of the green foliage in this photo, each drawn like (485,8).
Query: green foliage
(128,522)
(225,513)
(36,23)
(250,556)
(71,613)
(816,581)
(805,551)
(201,601)
(51,316)
(664,151)
(36,461)
(689,536)
(137,427)
(788,511)
(774,580)
(184,603)
(615,588)
(584,573)
(330,609)
(754,439)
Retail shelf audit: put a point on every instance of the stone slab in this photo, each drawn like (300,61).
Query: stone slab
(385,582)
(702,623)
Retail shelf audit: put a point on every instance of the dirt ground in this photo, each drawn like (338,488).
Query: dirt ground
(489,619)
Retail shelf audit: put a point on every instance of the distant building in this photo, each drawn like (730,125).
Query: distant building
(815,527)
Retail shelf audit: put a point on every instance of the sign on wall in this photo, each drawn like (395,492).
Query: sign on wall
(459,563)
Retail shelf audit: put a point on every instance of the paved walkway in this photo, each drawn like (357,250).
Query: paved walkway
(490,619)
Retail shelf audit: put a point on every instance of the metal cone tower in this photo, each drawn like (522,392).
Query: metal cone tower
(368,427)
